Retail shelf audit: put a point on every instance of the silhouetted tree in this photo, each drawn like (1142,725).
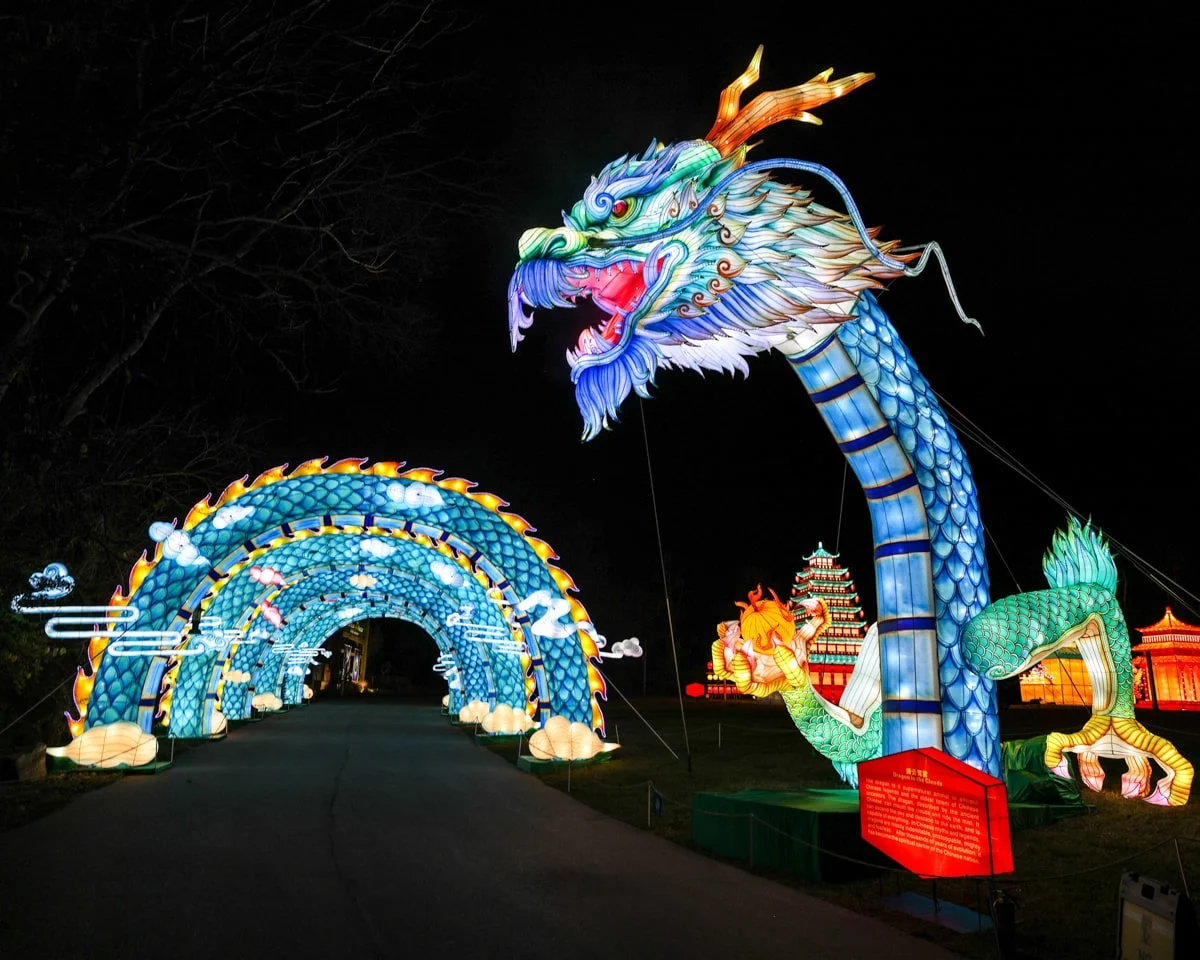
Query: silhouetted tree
(205,205)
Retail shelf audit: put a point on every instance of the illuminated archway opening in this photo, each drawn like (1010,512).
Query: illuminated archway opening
(284,560)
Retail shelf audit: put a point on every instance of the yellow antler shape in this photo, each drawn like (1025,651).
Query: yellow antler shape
(735,125)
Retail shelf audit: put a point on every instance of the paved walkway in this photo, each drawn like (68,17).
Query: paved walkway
(377,830)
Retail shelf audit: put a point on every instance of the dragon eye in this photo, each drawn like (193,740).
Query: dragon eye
(621,209)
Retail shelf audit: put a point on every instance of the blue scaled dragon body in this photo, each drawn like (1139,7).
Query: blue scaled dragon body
(701,259)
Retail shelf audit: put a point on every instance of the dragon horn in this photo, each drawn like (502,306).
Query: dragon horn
(735,125)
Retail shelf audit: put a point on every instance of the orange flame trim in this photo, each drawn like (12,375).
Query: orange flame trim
(736,124)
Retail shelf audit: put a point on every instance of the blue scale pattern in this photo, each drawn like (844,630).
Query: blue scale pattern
(293,689)
(264,678)
(168,587)
(485,673)
(235,696)
(187,699)
(971,724)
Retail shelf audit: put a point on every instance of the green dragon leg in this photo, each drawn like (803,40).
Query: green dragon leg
(1011,635)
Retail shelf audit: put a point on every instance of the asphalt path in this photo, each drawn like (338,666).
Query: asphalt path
(377,830)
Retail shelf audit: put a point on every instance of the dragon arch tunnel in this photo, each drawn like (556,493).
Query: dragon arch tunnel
(250,586)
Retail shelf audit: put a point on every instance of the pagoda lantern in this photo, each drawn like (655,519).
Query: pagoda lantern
(1166,665)
(832,656)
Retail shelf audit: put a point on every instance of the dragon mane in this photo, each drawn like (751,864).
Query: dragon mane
(732,260)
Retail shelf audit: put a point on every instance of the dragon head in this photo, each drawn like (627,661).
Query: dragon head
(697,259)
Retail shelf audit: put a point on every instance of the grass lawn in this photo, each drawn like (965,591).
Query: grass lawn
(1067,874)
(23,801)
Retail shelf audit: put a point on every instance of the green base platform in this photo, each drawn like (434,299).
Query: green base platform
(792,828)
(531,764)
(498,737)
(782,830)
(66,765)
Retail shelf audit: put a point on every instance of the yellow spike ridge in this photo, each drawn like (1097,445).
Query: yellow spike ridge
(231,492)
(84,683)
(421,474)
(199,513)
(562,579)
(386,468)
(595,681)
(541,548)
(309,468)
(140,571)
(588,645)
(269,476)
(518,523)
(597,715)
(457,484)
(349,465)
(488,500)
(578,613)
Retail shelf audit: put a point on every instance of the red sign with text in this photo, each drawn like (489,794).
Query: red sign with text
(935,815)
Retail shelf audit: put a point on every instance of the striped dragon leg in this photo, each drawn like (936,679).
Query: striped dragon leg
(930,568)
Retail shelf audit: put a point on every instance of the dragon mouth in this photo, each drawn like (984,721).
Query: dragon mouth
(617,289)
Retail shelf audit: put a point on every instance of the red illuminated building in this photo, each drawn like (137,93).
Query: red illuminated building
(833,655)
(1166,665)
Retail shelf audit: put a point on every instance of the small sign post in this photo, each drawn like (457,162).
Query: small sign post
(1156,922)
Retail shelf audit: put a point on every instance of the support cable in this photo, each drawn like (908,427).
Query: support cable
(662,560)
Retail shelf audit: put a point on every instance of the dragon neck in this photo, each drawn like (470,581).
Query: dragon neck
(926,526)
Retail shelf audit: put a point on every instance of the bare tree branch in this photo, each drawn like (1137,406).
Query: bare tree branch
(264,172)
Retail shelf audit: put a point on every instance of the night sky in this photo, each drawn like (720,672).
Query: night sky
(1046,156)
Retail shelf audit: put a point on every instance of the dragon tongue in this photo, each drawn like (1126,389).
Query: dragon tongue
(624,287)
(609,331)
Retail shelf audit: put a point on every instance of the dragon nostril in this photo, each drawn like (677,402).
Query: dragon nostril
(540,243)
